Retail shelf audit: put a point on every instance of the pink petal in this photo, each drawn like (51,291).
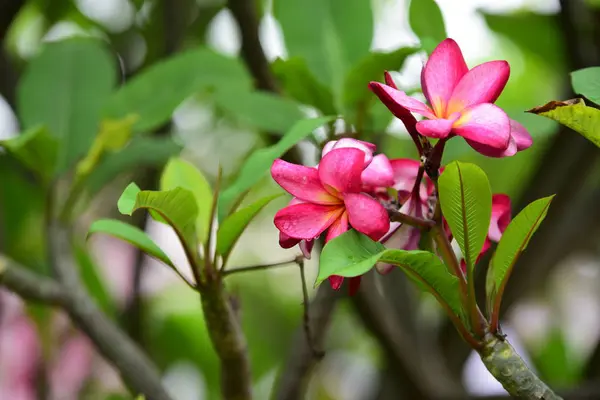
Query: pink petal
(353,285)
(306,248)
(482,84)
(367,215)
(438,128)
(405,172)
(488,151)
(389,80)
(306,221)
(379,173)
(444,69)
(486,124)
(336,282)
(500,216)
(366,147)
(286,241)
(398,102)
(302,182)
(520,135)
(340,170)
(339,226)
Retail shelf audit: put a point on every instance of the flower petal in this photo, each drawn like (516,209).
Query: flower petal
(488,151)
(486,124)
(306,248)
(287,242)
(336,281)
(482,84)
(340,170)
(366,147)
(500,216)
(389,80)
(521,136)
(379,173)
(444,69)
(367,215)
(302,182)
(353,285)
(438,128)
(398,102)
(338,227)
(405,172)
(306,221)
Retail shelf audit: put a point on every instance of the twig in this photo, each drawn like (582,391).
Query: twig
(29,285)
(397,216)
(257,267)
(318,354)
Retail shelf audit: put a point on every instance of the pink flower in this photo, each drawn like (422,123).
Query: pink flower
(328,198)
(461,102)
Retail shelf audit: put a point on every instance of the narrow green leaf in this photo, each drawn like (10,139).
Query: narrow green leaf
(36,149)
(514,241)
(299,83)
(265,111)
(466,201)
(234,225)
(131,234)
(180,173)
(65,88)
(154,93)
(586,82)
(259,162)
(427,22)
(94,282)
(126,202)
(353,254)
(573,114)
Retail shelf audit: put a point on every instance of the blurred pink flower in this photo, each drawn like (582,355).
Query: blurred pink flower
(461,102)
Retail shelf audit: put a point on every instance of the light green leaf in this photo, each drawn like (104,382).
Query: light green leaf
(466,201)
(299,83)
(427,22)
(126,202)
(65,88)
(36,149)
(180,173)
(586,82)
(234,225)
(259,162)
(94,282)
(131,234)
(154,93)
(514,241)
(573,114)
(265,111)
(353,254)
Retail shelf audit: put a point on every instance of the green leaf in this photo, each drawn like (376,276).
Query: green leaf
(586,82)
(326,34)
(131,234)
(573,114)
(156,92)
(466,201)
(180,173)
(353,254)
(299,83)
(371,68)
(234,225)
(94,282)
(36,149)
(265,111)
(427,22)
(259,162)
(65,88)
(126,202)
(514,241)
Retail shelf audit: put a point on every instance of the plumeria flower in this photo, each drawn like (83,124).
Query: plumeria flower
(460,102)
(329,198)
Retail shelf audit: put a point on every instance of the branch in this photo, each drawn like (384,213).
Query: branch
(29,285)
(397,216)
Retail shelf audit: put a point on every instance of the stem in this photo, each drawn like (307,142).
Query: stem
(397,216)
(257,267)
(208,260)
(503,362)
(306,322)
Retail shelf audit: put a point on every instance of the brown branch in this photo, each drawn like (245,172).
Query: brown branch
(397,216)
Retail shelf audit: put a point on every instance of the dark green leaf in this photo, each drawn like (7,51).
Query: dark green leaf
(154,93)
(265,111)
(353,254)
(180,173)
(586,82)
(234,225)
(575,115)
(257,165)
(131,234)
(65,88)
(514,241)
(427,22)
(466,201)
(94,282)
(299,83)
(36,149)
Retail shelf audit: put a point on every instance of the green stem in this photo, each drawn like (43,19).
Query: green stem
(503,362)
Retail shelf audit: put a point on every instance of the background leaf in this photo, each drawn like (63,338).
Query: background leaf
(94,281)
(427,22)
(180,173)
(466,201)
(586,82)
(131,234)
(259,162)
(65,88)
(514,241)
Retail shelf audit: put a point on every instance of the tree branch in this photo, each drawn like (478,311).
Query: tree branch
(29,285)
